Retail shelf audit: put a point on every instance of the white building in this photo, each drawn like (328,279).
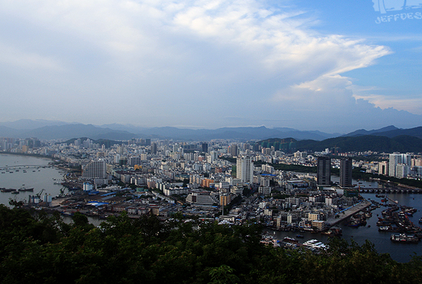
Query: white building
(95,169)
(244,169)
(396,159)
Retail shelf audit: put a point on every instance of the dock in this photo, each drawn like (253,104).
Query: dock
(348,212)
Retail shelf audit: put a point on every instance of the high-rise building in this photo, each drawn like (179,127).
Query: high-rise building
(244,169)
(396,159)
(205,147)
(346,172)
(233,150)
(95,169)
(154,148)
(383,168)
(324,171)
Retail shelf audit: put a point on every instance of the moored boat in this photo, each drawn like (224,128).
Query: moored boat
(403,238)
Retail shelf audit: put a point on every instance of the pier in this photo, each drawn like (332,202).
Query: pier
(22,167)
(390,190)
(346,213)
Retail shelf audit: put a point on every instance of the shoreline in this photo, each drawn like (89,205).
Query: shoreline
(68,170)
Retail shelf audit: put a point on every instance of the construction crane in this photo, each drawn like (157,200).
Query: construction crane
(39,193)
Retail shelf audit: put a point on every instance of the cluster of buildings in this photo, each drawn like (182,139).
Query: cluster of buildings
(202,178)
(401,166)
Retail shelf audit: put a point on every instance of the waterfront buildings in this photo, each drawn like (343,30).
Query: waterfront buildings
(399,164)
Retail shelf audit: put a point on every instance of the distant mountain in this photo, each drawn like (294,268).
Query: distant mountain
(376,143)
(389,131)
(62,130)
(77,130)
(243,133)
(28,124)
(8,132)
(361,132)
(236,133)
(124,127)
(415,132)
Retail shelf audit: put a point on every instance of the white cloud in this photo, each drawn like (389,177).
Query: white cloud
(412,105)
(230,56)
(16,57)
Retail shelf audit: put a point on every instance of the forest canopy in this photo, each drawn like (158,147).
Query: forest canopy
(40,248)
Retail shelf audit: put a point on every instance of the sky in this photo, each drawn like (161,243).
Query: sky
(333,66)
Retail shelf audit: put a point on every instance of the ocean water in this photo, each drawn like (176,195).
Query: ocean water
(401,252)
(40,177)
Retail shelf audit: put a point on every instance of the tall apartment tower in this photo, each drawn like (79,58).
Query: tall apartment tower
(346,172)
(244,169)
(233,150)
(204,147)
(396,159)
(154,148)
(324,171)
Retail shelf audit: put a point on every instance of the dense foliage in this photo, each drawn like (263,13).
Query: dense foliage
(37,248)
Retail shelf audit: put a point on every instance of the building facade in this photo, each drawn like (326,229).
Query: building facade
(346,172)
(244,169)
(324,171)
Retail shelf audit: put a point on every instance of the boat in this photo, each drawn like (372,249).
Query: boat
(26,189)
(299,236)
(315,244)
(403,238)
(15,192)
(385,228)
(7,190)
(420,220)
(290,240)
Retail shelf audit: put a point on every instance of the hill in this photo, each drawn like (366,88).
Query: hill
(389,131)
(401,143)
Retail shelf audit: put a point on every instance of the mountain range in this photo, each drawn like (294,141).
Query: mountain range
(48,130)
(389,138)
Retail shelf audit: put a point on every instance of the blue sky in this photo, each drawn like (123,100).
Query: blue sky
(334,66)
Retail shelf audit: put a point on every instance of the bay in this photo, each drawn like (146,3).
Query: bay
(401,252)
(39,176)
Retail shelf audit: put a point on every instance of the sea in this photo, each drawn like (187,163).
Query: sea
(43,178)
(401,252)
(39,176)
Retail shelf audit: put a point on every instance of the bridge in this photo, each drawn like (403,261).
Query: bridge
(22,167)
(390,190)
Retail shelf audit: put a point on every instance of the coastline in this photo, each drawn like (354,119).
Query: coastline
(27,155)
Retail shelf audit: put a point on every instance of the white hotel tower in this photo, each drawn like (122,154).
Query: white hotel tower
(244,169)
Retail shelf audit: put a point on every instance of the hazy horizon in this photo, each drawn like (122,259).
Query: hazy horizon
(334,66)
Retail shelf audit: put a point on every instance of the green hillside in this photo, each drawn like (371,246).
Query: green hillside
(37,248)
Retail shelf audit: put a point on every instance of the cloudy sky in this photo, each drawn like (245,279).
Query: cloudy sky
(334,66)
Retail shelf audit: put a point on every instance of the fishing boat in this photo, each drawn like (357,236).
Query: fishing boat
(403,238)
(26,189)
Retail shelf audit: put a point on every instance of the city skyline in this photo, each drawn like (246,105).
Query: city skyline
(334,67)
